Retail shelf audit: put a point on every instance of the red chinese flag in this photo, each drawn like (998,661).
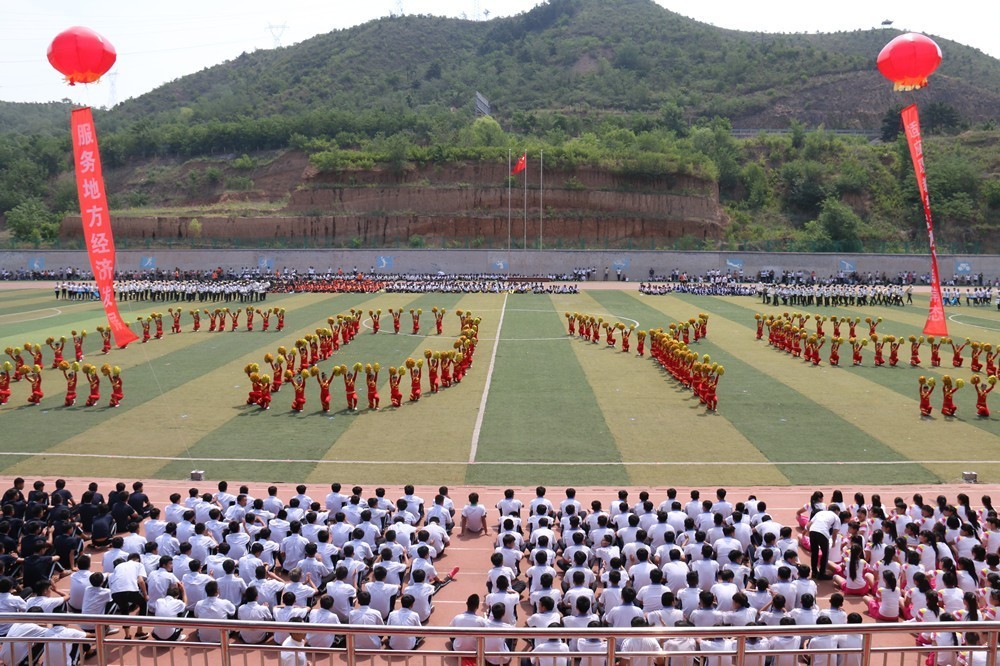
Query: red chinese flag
(522,163)
(97,219)
(936,323)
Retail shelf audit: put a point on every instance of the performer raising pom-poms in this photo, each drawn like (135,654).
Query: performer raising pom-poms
(158,319)
(438,319)
(395,396)
(376,317)
(640,348)
(298,382)
(570,322)
(371,381)
(415,314)
(396,314)
(5,371)
(195,319)
(144,322)
(57,350)
(105,332)
(280,314)
(252,372)
(975,364)
(117,389)
(324,387)
(894,344)
(34,375)
(175,315)
(926,388)
(350,384)
(835,351)
(948,390)
(70,372)
(956,352)
(265,392)
(626,335)
(94,379)
(78,344)
(935,350)
(915,343)
(415,368)
(983,389)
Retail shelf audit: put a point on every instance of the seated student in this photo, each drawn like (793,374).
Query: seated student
(422,592)
(468,618)
(213,607)
(254,611)
(44,595)
(171,604)
(365,615)
(96,599)
(406,617)
(321,615)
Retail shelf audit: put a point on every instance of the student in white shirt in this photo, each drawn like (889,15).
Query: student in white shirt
(215,608)
(474,517)
(421,591)
(470,618)
(254,611)
(404,617)
(322,615)
(641,644)
(295,640)
(170,604)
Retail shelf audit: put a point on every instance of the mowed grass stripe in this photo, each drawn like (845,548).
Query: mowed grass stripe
(36,307)
(541,406)
(158,410)
(446,418)
(781,421)
(652,418)
(281,433)
(902,379)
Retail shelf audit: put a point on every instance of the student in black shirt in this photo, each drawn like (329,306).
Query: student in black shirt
(85,511)
(103,527)
(38,567)
(15,497)
(63,492)
(138,500)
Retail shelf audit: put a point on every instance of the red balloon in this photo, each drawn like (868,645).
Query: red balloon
(81,55)
(908,60)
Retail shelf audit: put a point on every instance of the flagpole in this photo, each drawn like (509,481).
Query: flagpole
(508,207)
(525,247)
(541,195)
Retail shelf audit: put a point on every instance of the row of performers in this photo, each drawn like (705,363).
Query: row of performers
(445,368)
(786,336)
(217,320)
(949,388)
(590,327)
(71,371)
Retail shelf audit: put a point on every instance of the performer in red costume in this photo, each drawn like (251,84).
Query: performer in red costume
(915,343)
(94,379)
(609,337)
(324,387)
(265,319)
(640,347)
(5,371)
(626,337)
(280,312)
(36,354)
(956,352)
(760,326)
(991,359)
(817,346)
(105,332)
(70,373)
(175,327)
(983,389)
(857,346)
(250,313)
(433,366)
(415,314)
(234,318)
(265,392)
(350,384)
(396,314)
(439,319)
(117,390)
(34,375)
(395,395)
(416,370)
(935,344)
(376,317)
(879,342)
(975,364)
(371,380)
(948,390)
(78,344)
(57,350)
(836,325)
(595,329)
(195,320)
(252,371)
(144,322)
(894,344)
(158,319)
(835,351)
(276,371)
(873,324)
(298,381)
(213,317)
(926,388)
(571,322)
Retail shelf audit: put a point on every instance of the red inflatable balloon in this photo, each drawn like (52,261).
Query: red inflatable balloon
(908,60)
(81,55)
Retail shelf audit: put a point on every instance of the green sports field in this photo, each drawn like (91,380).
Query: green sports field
(557,410)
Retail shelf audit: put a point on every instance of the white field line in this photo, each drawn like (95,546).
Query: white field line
(16,317)
(521,463)
(959,321)
(486,389)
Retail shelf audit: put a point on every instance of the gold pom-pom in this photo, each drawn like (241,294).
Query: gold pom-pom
(931,381)
(314,371)
(922,380)
(305,374)
(992,379)
(420,362)
(75,366)
(377,367)
(427,353)
(959,383)
(975,380)
(268,358)
(358,367)
(721,370)
(64,366)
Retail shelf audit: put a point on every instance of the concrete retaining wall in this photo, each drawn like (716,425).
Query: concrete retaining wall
(635,264)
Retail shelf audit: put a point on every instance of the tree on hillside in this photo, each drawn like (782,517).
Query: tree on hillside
(31,222)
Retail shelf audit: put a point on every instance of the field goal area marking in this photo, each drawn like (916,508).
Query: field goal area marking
(521,463)
(16,317)
(959,321)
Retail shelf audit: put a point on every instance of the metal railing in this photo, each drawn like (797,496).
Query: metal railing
(113,651)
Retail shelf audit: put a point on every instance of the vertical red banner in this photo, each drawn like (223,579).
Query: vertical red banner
(936,323)
(97,219)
